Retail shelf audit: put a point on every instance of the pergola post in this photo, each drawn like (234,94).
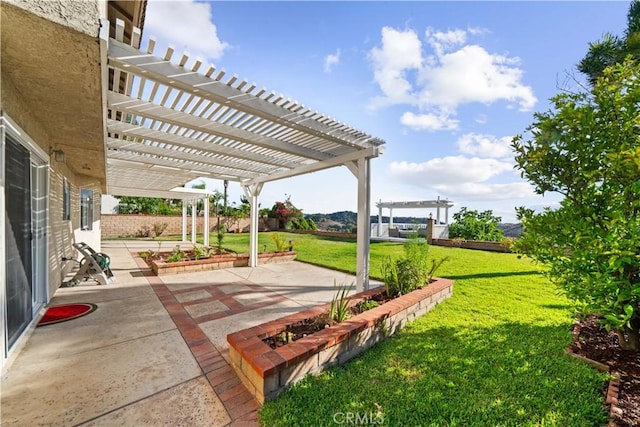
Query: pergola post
(438,215)
(361,169)
(390,217)
(206,221)
(252,192)
(379,222)
(194,205)
(184,220)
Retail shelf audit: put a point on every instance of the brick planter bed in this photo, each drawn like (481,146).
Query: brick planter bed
(266,372)
(217,262)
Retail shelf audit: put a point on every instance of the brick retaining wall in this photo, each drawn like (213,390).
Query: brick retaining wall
(117,225)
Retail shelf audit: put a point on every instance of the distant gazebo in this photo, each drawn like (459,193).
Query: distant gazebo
(437,228)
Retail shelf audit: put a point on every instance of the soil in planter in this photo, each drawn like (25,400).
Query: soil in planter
(597,344)
(311,325)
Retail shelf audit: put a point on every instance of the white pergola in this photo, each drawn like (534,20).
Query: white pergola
(167,123)
(418,204)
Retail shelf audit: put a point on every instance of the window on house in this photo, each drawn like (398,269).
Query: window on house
(66,201)
(86,209)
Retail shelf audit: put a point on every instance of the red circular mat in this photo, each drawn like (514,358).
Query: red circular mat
(62,313)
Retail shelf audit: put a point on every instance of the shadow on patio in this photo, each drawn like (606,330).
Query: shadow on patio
(154,352)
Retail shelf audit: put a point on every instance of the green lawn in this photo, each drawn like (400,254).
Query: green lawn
(492,355)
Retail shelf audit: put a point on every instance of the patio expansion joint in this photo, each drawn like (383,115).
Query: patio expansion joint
(97,417)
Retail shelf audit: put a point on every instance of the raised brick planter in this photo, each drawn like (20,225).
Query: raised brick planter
(267,372)
(216,262)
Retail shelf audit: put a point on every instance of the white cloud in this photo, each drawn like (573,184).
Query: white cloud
(486,191)
(471,74)
(331,60)
(187,25)
(449,170)
(484,145)
(444,41)
(428,121)
(462,177)
(401,51)
(450,74)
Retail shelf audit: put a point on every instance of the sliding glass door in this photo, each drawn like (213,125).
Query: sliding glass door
(26,193)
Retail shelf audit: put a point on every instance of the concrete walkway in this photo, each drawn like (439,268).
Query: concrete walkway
(155,351)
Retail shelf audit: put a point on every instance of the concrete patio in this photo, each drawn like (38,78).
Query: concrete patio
(155,351)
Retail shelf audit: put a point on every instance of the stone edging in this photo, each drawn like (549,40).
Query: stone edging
(267,372)
(613,390)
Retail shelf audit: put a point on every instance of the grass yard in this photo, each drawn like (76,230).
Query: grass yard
(492,355)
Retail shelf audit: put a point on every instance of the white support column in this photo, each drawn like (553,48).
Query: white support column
(252,192)
(184,220)
(362,168)
(390,217)
(206,220)
(379,221)
(194,206)
(446,215)
(438,215)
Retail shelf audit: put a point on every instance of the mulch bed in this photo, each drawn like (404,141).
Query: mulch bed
(597,344)
(311,325)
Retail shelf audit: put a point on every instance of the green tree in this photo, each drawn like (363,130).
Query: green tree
(471,225)
(612,49)
(588,149)
(146,205)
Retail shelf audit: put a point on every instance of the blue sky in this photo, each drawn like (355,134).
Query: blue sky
(445,84)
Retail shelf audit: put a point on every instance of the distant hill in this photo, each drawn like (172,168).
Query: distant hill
(510,230)
(346,221)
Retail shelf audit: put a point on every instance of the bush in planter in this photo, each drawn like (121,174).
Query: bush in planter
(280,241)
(176,255)
(412,271)
(200,251)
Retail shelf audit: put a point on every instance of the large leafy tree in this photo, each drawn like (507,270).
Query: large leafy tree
(588,149)
(474,225)
(146,205)
(612,49)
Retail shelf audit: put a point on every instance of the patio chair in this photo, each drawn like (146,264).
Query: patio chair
(93,265)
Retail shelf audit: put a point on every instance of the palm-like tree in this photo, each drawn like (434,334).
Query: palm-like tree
(612,49)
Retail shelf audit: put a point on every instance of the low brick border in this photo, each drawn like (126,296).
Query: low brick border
(218,262)
(240,404)
(267,372)
(613,390)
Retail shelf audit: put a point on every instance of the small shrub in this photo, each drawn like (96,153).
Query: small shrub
(144,255)
(200,251)
(144,231)
(159,228)
(412,271)
(339,311)
(176,255)
(286,336)
(220,237)
(279,240)
(508,243)
(368,304)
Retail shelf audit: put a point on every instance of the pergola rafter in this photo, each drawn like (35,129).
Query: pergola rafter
(169,123)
